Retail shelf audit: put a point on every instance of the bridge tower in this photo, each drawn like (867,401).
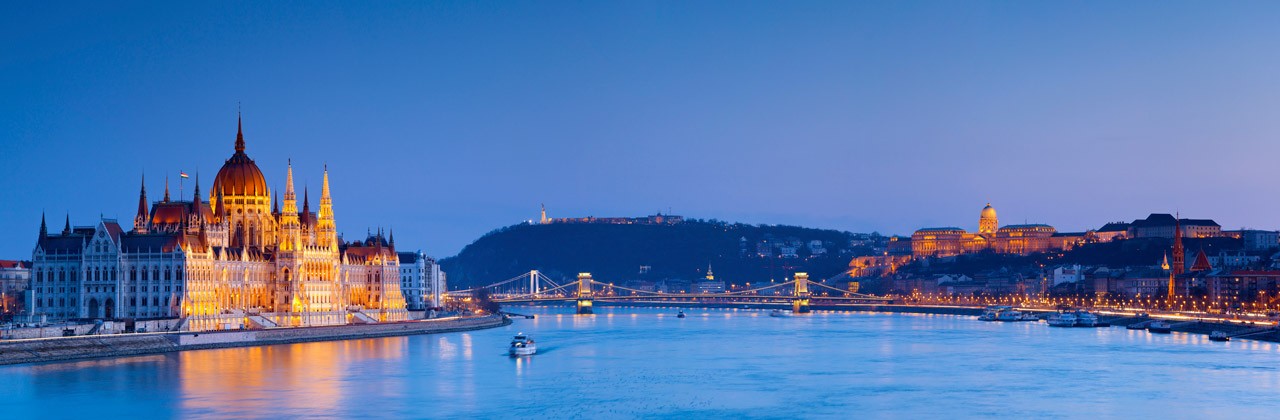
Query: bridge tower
(533,284)
(585,296)
(801,303)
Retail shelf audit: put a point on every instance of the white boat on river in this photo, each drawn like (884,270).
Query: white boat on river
(522,345)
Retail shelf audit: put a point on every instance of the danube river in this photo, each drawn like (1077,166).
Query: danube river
(627,362)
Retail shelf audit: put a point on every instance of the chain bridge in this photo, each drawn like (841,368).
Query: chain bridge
(585,291)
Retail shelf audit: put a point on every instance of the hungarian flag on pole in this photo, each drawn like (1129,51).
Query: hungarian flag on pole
(183,174)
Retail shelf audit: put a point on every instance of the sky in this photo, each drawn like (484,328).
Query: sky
(445,120)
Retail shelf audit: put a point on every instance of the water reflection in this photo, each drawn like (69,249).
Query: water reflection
(309,379)
(715,363)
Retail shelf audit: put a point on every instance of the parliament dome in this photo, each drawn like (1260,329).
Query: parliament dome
(239,176)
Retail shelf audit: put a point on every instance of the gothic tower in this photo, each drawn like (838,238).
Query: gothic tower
(290,226)
(140,221)
(326,229)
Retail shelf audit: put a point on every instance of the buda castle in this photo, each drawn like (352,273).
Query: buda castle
(1011,239)
(236,258)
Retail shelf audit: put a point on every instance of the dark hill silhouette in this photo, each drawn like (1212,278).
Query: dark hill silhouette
(615,252)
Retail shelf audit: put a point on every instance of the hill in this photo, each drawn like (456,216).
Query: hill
(616,253)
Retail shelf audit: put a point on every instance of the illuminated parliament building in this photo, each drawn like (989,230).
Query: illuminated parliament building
(236,258)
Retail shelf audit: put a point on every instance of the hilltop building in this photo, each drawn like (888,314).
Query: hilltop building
(1112,231)
(1011,239)
(654,219)
(1163,225)
(231,259)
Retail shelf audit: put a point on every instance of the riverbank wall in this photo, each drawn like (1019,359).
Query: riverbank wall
(120,345)
(1237,330)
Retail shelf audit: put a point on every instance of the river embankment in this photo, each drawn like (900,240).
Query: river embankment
(1182,324)
(120,345)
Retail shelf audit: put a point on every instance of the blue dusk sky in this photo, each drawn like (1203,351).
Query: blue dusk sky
(445,120)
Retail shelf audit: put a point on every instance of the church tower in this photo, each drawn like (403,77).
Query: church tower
(1179,255)
(987,222)
(1179,260)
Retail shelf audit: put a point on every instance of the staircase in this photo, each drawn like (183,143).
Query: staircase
(362,318)
(262,322)
(96,326)
(182,323)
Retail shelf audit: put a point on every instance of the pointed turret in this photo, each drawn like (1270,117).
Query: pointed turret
(166,189)
(196,201)
(275,205)
(290,229)
(44,229)
(391,238)
(140,219)
(306,201)
(142,198)
(221,211)
(239,134)
(290,198)
(326,229)
(66,229)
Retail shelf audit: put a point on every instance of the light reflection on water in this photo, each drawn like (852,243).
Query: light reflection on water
(715,362)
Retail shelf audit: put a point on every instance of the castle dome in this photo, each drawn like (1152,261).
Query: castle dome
(988,212)
(239,176)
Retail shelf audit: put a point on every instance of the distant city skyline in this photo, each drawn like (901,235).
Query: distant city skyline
(446,120)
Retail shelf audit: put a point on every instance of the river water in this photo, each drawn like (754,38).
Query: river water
(626,362)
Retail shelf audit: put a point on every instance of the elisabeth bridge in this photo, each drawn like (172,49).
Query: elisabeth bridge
(534,287)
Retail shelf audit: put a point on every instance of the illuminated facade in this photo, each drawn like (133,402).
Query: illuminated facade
(225,261)
(421,281)
(1011,239)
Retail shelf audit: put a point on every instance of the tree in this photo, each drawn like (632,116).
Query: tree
(484,301)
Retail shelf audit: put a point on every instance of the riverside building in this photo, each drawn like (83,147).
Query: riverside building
(421,281)
(227,260)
